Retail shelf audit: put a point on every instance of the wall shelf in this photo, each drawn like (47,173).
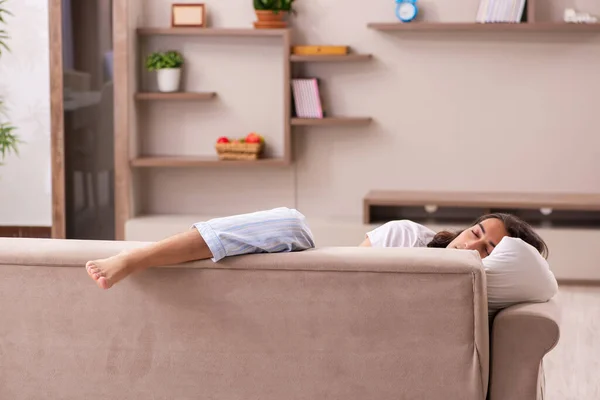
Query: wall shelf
(487,27)
(180,162)
(175,96)
(572,201)
(330,58)
(331,121)
(566,208)
(211,32)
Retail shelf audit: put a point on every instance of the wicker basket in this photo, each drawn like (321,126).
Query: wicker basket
(239,151)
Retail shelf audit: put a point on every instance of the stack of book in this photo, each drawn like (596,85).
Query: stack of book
(307,98)
(491,11)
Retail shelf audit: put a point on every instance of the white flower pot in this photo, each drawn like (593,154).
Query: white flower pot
(169,79)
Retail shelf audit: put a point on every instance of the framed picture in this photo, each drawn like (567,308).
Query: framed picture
(188,15)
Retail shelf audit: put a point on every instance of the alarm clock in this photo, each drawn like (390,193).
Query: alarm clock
(406,10)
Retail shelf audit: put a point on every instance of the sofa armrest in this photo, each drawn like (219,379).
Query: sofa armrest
(521,336)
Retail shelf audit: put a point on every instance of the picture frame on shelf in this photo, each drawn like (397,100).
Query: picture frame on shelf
(188,15)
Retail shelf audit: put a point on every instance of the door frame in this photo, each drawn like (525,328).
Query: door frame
(123,47)
(121,36)
(57,120)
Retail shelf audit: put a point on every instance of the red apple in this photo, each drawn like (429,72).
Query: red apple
(223,139)
(254,138)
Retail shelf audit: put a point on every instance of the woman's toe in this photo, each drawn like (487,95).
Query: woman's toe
(103,283)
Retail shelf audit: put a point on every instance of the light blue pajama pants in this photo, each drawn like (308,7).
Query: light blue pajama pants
(270,231)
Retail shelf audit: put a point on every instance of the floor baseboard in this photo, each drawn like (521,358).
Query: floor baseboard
(26,231)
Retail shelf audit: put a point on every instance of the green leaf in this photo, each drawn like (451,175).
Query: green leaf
(162,60)
(274,5)
(3,11)
(3,36)
(8,141)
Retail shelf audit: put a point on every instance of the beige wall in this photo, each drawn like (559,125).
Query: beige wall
(468,111)
(25,187)
(452,111)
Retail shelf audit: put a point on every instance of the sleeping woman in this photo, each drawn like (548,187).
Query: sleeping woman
(513,254)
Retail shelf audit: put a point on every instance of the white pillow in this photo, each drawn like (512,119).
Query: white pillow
(515,273)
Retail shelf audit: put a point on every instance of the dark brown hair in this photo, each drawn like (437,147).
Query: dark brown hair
(515,227)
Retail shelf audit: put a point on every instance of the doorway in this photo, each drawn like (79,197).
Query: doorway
(86,58)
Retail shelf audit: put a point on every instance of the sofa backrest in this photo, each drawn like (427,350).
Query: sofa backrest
(343,323)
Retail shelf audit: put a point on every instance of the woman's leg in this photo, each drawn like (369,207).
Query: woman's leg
(184,247)
(272,231)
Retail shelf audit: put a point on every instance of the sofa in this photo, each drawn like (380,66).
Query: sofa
(329,323)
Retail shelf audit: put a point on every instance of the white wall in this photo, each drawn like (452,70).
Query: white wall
(25,185)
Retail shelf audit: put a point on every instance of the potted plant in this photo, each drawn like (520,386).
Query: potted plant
(271,13)
(168,69)
(8,139)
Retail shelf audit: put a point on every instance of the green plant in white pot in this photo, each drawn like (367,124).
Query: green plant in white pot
(168,67)
(8,139)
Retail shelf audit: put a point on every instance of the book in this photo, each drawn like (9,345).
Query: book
(319,50)
(307,98)
(495,11)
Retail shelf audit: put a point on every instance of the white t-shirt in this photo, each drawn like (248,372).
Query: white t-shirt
(402,233)
(515,271)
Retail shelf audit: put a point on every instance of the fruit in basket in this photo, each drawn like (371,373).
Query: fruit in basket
(254,138)
(245,148)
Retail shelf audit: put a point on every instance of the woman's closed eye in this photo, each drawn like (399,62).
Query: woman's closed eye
(478,235)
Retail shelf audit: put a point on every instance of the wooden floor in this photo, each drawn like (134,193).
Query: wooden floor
(572,367)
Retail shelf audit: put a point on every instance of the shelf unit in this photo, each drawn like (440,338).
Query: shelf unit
(128,57)
(126,163)
(173,161)
(152,161)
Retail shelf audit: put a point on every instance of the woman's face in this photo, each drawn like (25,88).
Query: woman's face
(482,237)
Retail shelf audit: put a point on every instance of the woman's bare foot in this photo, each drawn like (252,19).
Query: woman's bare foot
(108,271)
(183,247)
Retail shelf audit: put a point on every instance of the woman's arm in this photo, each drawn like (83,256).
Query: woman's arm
(398,233)
(365,243)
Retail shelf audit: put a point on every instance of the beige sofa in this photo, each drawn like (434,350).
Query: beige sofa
(330,323)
